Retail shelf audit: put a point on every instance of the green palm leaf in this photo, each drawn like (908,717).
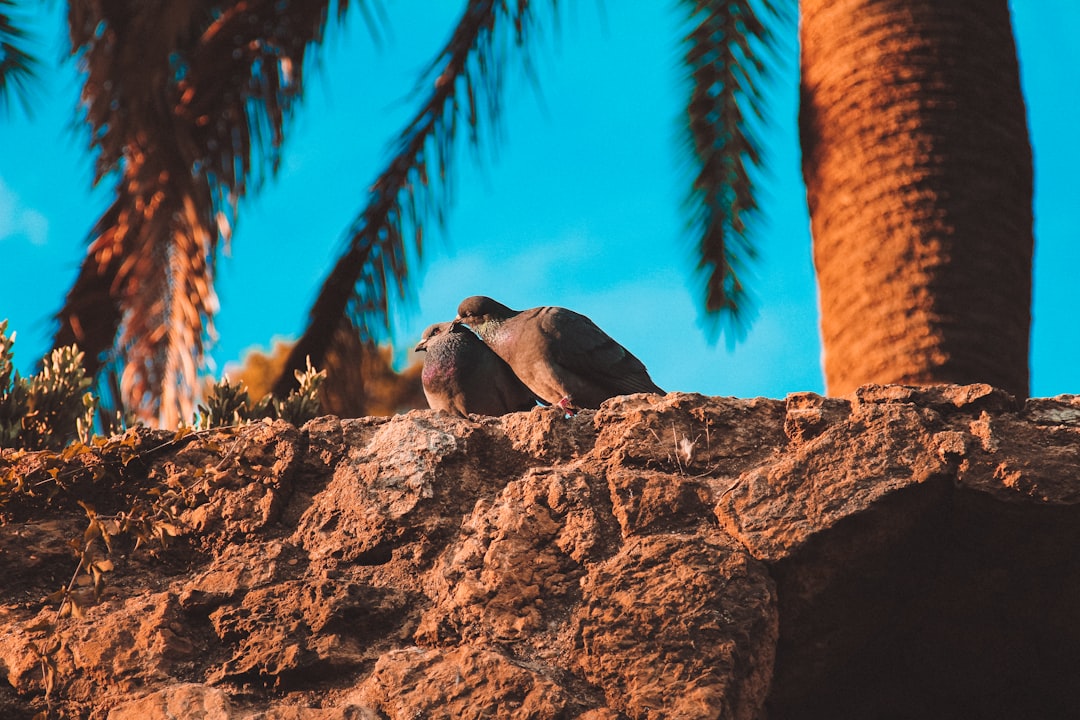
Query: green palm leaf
(17,65)
(727,53)
(413,189)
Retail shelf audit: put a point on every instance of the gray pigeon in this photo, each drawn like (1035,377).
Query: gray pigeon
(561,355)
(461,375)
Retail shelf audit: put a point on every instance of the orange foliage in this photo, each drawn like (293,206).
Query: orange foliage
(360,378)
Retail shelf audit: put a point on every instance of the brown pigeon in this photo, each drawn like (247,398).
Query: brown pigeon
(461,375)
(561,355)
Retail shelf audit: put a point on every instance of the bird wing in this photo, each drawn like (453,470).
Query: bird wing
(581,347)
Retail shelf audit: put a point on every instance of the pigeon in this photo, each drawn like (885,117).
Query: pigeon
(561,355)
(461,375)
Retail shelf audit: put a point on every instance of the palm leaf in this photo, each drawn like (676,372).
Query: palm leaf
(17,65)
(726,55)
(187,104)
(413,190)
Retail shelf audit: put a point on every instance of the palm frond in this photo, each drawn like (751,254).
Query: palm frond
(464,88)
(728,53)
(92,312)
(17,64)
(187,104)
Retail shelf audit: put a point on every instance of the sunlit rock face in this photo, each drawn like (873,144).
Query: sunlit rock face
(900,552)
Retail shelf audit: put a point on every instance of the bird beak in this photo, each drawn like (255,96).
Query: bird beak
(420,346)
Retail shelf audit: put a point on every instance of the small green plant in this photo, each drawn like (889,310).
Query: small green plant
(303,404)
(227,405)
(53,408)
(14,392)
(49,410)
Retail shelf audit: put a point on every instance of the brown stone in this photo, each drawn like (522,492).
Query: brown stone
(678,626)
(904,552)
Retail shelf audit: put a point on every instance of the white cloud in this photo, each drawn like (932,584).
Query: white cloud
(19,221)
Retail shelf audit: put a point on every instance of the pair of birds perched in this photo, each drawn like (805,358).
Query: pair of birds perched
(492,360)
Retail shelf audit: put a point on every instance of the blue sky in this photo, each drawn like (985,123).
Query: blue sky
(578,205)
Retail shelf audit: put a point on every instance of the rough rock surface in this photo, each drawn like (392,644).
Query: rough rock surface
(900,553)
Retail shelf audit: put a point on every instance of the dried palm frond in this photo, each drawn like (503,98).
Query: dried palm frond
(187,103)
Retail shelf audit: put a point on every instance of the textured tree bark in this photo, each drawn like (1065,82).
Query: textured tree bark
(919,183)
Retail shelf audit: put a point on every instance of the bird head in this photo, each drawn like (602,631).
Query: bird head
(480,311)
(432,331)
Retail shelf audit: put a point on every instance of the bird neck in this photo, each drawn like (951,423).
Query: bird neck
(490,329)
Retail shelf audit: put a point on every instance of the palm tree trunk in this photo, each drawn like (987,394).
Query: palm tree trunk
(919,183)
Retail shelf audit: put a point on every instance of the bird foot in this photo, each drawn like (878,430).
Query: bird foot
(567,406)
